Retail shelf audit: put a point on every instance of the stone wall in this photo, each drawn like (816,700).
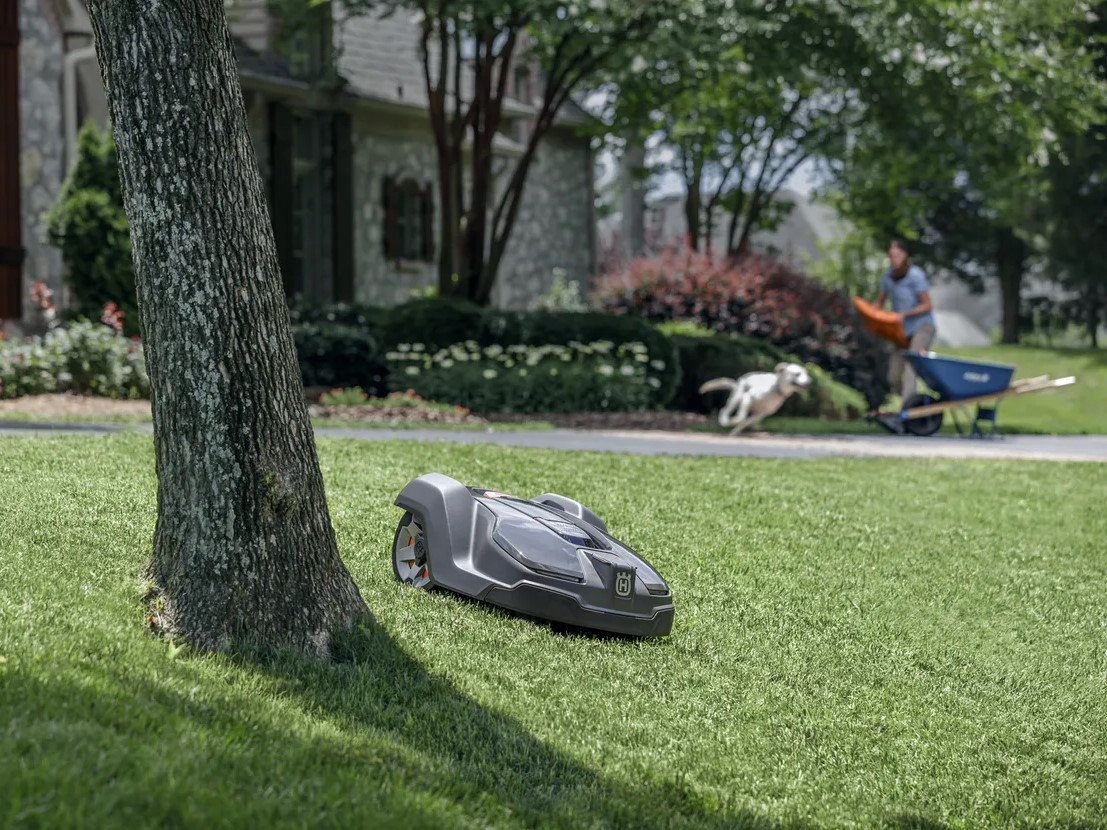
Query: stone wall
(42,140)
(376,157)
(555,227)
(553,231)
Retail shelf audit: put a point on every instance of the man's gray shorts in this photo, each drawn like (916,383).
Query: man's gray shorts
(901,375)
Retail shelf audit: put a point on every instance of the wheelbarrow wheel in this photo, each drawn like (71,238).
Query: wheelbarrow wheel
(926,425)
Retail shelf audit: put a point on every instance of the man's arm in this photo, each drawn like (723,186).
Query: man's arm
(880,299)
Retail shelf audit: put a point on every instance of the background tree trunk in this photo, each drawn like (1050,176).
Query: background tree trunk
(1011,258)
(244,554)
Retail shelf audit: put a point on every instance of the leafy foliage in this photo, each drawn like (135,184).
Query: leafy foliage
(739,98)
(335,354)
(756,297)
(90,227)
(474,53)
(85,358)
(1076,227)
(958,159)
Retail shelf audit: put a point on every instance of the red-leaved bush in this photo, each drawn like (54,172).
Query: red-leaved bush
(757,296)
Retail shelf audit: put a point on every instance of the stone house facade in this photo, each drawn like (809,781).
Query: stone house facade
(349,166)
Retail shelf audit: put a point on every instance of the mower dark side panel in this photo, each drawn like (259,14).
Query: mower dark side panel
(573,508)
(535,600)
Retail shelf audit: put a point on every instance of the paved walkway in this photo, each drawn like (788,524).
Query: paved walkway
(1019,447)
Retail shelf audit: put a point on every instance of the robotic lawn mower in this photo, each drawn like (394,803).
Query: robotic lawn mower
(548,557)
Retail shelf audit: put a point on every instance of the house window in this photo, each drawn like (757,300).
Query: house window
(408,220)
(522,84)
(311,208)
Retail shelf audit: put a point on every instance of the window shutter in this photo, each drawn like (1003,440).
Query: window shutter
(343,209)
(428,223)
(391,218)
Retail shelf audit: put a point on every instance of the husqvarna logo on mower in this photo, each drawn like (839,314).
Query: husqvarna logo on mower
(624,583)
(976,377)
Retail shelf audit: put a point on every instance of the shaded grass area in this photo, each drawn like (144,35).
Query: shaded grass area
(857,643)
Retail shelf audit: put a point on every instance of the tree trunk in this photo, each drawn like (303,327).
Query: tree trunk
(1093,328)
(447,212)
(1011,257)
(633,200)
(244,554)
(693,204)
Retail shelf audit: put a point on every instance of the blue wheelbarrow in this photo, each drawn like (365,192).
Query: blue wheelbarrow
(958,384)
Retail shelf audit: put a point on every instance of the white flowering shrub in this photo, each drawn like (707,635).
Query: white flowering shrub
(577,377)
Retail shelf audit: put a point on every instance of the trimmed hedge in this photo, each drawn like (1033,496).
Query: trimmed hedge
(705,358)
(436,323)
(544,328)
(584,377)
(338,355)
(439,323)
(336,347)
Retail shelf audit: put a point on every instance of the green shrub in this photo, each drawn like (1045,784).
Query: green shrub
(85,358)
(439,323)
(688,328)
(336,355)
(543,328)
(528,379)
(705,358)
(354,396)
(434,322)
(562,295)
(407,399)
(27,368)
(756,296)
(90,227)
(358,315)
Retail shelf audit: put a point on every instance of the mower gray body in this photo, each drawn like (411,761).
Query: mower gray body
(548,557)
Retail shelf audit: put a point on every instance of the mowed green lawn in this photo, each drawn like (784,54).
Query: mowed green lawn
(857,643)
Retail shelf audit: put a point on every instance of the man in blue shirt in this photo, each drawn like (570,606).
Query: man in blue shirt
(907,287)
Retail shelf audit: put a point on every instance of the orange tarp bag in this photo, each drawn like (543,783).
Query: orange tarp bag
(883,324)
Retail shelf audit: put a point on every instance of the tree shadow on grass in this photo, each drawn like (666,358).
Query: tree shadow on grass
(371,739)
(375,684)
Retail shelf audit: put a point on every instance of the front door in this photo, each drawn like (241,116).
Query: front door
(11,239)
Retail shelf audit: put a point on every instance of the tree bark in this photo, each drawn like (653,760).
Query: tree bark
(692,165)
(244,555)
(1011,255)
(633,193)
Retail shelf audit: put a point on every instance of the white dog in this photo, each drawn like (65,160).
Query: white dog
(757,395)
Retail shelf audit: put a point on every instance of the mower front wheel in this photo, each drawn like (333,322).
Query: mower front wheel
(409,553)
